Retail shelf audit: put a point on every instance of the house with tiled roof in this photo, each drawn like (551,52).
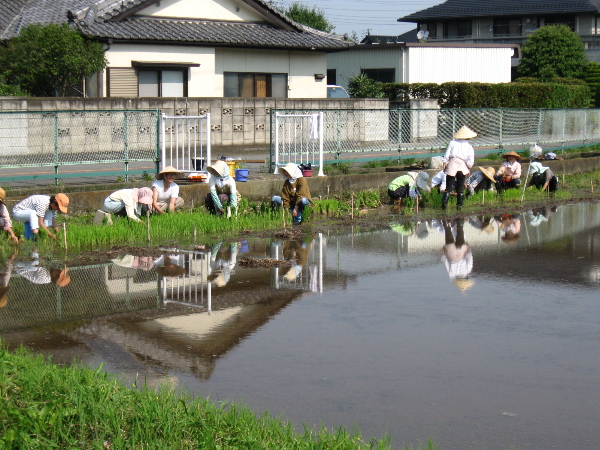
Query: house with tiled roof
(508,21)
(189,48)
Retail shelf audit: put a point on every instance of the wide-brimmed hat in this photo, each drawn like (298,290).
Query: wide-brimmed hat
(465,133)
(169,169)
(512,153)
(2,195)
(536,167)
(62,201)
(4,296)
(422,181)
(489,172)
(463,284)
(60,277)
(535,151)
(170,270)
(142,195)
(219,169)
(290,170)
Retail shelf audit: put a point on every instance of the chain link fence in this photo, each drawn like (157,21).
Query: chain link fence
(350,134)
(55,139)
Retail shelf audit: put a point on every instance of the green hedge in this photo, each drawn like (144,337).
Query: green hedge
(499,95)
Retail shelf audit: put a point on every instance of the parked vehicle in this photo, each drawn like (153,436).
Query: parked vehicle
(334,91)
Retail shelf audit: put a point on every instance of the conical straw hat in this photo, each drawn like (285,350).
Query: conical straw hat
(465,133)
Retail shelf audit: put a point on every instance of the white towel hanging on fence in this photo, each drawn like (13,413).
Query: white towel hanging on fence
(314,126)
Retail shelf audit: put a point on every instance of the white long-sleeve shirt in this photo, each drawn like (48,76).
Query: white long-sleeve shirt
(460,148)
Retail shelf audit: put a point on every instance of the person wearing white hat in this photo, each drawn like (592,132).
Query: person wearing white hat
(222,189)
(5,221)
(128,202)
(165,192)
(412,184)
(295,194)
(458,160)
(543,178)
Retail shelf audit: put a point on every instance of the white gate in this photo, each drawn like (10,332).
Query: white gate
(185,142)
(299,139)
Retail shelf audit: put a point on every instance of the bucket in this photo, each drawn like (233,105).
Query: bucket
(241,174)
(28,232)
(231,165)
(307,173)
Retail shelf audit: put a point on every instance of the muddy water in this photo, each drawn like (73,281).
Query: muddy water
(482,333)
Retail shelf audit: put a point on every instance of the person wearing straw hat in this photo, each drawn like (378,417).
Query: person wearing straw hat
(509,173)
(295,194)
(128,202)
(483,178)
(40,211)
(543,178)
(222,195)
(5,221)
(457,256)
(165,192)
(458,160)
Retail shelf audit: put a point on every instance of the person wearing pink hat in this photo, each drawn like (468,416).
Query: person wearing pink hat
(40,211)
(128,202)
(5,221)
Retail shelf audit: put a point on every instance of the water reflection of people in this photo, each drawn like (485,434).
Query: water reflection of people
(510,225)
(5,273)
(222,263)
(483,223)
(169,266)
(541,215)
(297,252)
(35,272)
(135,262)
(457,255)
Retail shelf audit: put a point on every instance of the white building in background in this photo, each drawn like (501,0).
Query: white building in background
(423,63)
(189,48)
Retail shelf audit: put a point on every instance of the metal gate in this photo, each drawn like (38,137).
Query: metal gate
(185,142)
(299,139)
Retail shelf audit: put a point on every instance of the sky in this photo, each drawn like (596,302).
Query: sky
(377,16)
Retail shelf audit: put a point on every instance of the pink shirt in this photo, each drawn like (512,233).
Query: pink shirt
(6,222)
(511,169)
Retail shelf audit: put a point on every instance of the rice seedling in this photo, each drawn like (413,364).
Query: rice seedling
(47,406)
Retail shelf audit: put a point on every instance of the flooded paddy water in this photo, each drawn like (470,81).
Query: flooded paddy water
(482,333)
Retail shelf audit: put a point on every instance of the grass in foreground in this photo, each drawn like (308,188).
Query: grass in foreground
(43,405)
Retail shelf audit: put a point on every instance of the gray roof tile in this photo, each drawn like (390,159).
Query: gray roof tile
(96,19)
(482,8)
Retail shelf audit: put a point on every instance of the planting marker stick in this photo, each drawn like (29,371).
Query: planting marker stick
(65,233)
(194,234)
(525,185)
(352,206)
(148,221)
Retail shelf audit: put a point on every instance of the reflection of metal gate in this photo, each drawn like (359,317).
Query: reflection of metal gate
(185,142)
(188,288)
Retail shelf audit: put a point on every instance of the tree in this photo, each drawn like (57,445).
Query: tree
(47,60)
(314,17)
(553,51)
(362,86)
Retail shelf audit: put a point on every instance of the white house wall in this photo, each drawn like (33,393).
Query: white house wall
(201,81)
(350,62)
(446,64)
(301,68)
(195,9)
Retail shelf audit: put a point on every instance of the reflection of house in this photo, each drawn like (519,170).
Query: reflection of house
(189,48)
(507,21)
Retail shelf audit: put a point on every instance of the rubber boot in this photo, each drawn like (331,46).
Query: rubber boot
(445,199)
(459,201)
